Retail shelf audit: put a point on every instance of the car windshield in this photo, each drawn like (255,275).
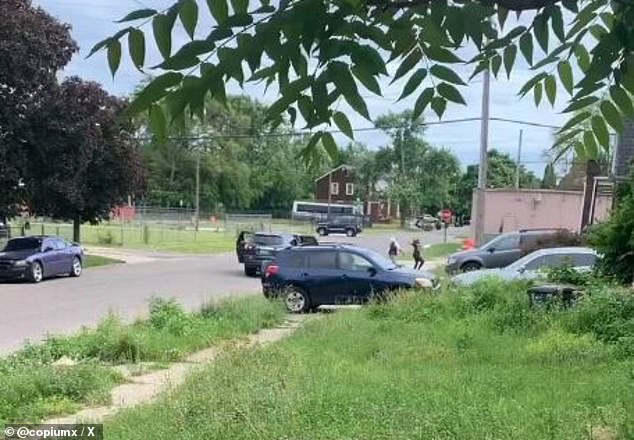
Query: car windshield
(268,240)
(23,244)
(378,259)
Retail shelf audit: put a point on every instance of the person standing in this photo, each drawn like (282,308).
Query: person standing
(394,250)
(418,256)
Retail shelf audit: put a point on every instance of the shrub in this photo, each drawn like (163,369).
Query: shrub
(559,239)
(105,238)
(567,274)
(168,315)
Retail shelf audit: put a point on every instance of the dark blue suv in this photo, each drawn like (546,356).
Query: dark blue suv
(311,276)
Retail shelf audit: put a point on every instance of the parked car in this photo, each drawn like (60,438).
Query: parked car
(312,276)
(349,225)
(254,250)
(428,222)
(499,252)
(532,265)
(39,257)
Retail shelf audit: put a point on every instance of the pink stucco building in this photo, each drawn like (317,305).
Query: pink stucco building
(510,209)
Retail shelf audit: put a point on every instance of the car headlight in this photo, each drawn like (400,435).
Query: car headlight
(21,263)
(424,282)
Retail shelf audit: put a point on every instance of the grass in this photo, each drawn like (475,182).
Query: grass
(470,364)
(96,261)
(33,387)
(441,250)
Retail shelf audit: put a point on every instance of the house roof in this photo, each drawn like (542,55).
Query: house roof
(333,170)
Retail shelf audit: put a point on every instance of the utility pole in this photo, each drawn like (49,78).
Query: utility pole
(197,214)
(519,161)
(329,192)
(483,167)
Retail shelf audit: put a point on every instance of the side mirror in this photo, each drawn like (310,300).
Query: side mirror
(48,249)
(521,269)
(372,271)
(491,250)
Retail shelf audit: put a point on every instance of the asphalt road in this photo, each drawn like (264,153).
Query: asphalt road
(64,305)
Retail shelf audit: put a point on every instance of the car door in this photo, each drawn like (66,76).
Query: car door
(65,255)
(502,251)
(535,268)
(358,276)
(243,238)
(321,276)
(50,258)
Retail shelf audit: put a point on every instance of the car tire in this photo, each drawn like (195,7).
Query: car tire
(471,266)
(350,232)
(250,271)
(37,272)
(322,232)
(296,300)
(77,268)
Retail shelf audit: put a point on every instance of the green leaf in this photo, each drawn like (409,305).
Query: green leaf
(590,144)
(138,14)
(154,91)
(509,58)
(363,55)
(442,55)
(446,74)
(622,100)
(240,6)
(313,140)
(450,93)
(496,63)
(565,75)
(578,104)
(541,31)
(526,46)
(345,84)
(537,93)
(583,57)
(292,113)
(550,84)
(557,21)
(162,26)
(136,47)
(530,84)
(368,80)
(158,122)
(575,120)
(97,47)
(601,131)
(114,56)
(188,14)
(571,5)
(414,81)
(330,146)
(180,61)
(408,64)
(239,20)
(502,15)
(219,10)
(422,102)
(612,116)
(343,123)
(566,137)
(219,33)
(438,105)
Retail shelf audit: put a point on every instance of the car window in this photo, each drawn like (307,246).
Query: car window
(353,262)
(59,245)
(308,240)
(537,263)
(575,260)
(323,260)
(268,240)
(294,260)
(505,243)
(23,244)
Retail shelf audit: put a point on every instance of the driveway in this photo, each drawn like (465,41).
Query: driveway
(64,305)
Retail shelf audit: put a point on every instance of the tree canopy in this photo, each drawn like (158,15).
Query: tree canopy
(318,52)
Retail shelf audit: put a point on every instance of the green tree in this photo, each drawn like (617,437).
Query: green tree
(550,178)
(352,41)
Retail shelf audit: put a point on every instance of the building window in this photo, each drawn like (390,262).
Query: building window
(334,188)
(349,189)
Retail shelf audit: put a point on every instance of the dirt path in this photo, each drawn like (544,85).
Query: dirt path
(146,388)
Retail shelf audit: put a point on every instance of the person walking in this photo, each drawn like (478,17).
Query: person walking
(418,256)
(394,250)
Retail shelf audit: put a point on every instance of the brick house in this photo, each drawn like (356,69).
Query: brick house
(341,181)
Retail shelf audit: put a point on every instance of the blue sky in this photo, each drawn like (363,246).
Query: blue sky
(93,20)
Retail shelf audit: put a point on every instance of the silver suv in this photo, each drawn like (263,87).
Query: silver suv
(499,252)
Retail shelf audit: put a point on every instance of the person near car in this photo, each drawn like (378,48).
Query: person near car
(418,255)
(394,250)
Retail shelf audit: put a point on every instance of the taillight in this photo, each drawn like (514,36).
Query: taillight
(271,270)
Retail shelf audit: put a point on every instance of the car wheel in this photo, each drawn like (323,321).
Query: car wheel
(350,232)
(471,266)
(76,269)
(37,273)
(296,300)
(322,232)
(250,271)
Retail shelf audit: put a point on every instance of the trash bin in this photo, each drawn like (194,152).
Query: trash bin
(546,295)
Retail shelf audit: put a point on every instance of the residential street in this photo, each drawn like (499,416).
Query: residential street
(63,305)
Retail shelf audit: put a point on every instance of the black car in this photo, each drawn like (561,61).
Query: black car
(310,276)
(256,249)
(349,225)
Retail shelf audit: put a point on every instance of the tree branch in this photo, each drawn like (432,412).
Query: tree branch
(511,5)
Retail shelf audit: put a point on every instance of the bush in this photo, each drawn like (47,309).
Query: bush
(567,274)
(105,238)
(168,315)
(560,239)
